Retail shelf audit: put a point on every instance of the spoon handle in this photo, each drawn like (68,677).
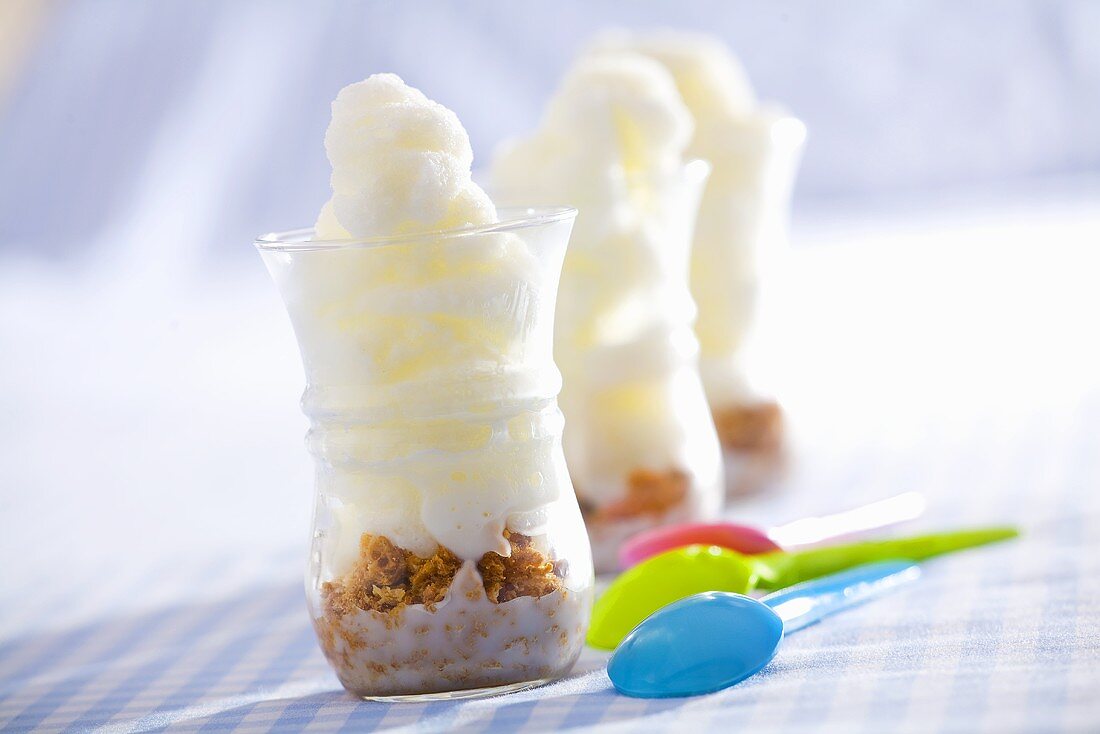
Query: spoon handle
(807,603)
(778,570)
(874,516)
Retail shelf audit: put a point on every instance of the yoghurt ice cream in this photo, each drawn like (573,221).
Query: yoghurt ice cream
(753,149)
(639,439)
(448,553)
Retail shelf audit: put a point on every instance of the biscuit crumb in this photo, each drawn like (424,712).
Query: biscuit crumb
(756,428)
(648,492)
(526,572)
(429,578)
(386,577)
(389,597)
(385,562)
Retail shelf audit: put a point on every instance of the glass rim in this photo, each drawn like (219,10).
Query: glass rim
(511,219)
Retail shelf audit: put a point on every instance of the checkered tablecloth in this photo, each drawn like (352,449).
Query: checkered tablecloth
(1003,639)
(1000,424)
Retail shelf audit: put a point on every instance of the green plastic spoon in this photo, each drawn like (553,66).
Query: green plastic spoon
(679,573)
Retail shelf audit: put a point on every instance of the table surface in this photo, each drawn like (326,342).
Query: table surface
(155,498)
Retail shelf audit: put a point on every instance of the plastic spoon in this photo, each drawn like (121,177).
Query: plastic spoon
(711,641)
(675,574)
(792,536)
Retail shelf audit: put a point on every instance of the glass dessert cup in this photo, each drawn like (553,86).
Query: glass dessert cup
(449,558)
(639,437)
(740,235)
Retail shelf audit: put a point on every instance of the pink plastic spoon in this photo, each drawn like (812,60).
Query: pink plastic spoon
(751,540)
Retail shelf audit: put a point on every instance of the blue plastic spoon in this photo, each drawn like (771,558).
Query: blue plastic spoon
(711,641)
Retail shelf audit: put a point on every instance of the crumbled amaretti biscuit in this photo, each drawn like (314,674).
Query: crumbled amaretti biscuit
(757,427)
(387,577)
(526,572)
(429,578)
(648,493)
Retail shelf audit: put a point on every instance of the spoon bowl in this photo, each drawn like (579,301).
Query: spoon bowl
(664,579)
(711,641)
(751,540)
(737,636)
(675,574)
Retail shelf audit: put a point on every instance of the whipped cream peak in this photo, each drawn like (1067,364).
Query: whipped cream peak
(710,78)
(613,113)
(400,164)
(626,97)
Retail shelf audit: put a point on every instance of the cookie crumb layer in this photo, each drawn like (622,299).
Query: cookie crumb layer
(464,640)
(648,493)
(652,498)
(750,428)
(386,577)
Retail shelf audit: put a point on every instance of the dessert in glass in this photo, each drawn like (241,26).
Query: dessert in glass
(449,557)
(742,225)
(639,438)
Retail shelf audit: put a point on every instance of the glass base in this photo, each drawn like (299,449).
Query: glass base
(464,694)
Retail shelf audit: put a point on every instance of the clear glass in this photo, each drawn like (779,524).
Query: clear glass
(449,557)
(739,236)
(639,438)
